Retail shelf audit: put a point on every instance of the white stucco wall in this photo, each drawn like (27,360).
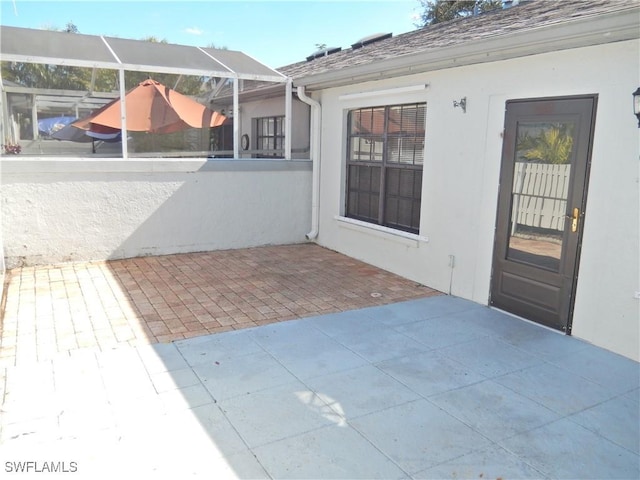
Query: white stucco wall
(86,209)
(460,183)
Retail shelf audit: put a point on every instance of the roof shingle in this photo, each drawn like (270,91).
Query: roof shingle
(525,16)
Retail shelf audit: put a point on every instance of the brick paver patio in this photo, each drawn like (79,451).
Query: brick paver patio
(53,310)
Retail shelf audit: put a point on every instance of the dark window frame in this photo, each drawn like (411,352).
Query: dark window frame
(270,144)
(383,178)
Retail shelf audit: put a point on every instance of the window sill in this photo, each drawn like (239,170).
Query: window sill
(407,238)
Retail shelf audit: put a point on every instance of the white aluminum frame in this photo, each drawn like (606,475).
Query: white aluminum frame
(121,67)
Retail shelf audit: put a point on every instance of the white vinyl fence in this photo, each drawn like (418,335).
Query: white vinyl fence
(540,195)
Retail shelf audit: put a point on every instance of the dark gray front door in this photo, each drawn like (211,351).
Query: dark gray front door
(543,184)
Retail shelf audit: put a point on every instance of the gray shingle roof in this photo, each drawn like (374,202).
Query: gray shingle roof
(526,16)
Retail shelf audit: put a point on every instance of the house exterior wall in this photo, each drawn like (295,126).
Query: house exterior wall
(461,172)
(86,209)
(273,107)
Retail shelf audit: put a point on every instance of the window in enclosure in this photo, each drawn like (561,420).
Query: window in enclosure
(270,136)
(52,110)
(171,131)
(43,100)
(385,155)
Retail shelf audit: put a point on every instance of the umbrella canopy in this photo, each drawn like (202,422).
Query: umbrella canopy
(49,126)
(75,134)
(72,134)
(155,108)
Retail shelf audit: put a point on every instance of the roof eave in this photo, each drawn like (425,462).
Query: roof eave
(262,93)
(594,30)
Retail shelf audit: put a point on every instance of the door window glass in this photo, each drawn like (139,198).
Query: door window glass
(539,193)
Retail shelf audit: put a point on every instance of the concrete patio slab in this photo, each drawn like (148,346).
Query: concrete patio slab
(560,450)
(609,418)
(493,409)
(314,356)
(228,378)
(426,429)
(343,453)
(556,389)
(492,462)
(306,398)
(429,373)
(361,391)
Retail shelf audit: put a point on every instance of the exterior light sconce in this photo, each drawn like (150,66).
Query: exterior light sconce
(636,104)
(463,104)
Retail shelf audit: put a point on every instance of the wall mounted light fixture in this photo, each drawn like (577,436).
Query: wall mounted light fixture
(462,104)
(636,104)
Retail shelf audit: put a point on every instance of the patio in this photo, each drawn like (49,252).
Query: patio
(372,377)
(53,310)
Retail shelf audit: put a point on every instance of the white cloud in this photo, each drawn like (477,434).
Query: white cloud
(194,31)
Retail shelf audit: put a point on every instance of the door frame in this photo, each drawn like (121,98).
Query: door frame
(508,136)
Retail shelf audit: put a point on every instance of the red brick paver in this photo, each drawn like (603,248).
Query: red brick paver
(55,310)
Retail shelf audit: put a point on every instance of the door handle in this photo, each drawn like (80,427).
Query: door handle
(575,216)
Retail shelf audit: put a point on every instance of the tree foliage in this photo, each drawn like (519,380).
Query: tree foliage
(46,76)
(71,28)
(437,11)
(550,145)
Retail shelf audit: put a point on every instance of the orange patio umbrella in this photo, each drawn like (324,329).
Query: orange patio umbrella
(155,108)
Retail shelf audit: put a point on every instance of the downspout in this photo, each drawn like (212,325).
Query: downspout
(314,149)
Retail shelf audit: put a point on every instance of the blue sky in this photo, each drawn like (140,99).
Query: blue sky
(275,32)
